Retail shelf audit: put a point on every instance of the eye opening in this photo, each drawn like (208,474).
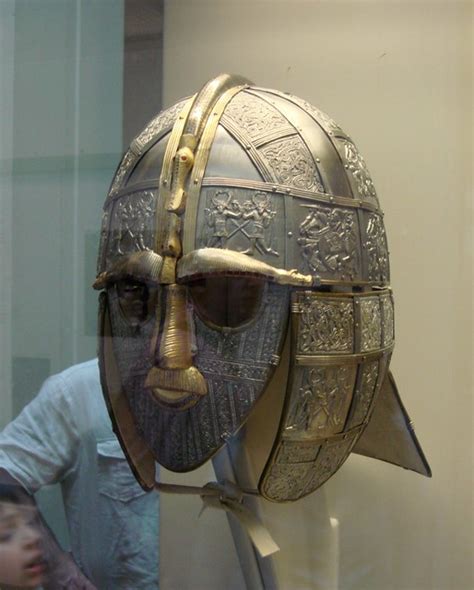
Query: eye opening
(137,299)
(227,302)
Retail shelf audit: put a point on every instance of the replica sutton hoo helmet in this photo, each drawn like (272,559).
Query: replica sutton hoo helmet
(239,217)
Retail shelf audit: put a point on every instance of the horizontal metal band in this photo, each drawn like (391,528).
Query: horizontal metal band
(132,188)
(341,359)
(290,191)
(297,307)
(353,432)
(317,281)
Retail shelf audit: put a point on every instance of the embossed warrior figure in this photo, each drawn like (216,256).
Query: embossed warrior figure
(327,241)
(262,274)
(217,218)
(260,215)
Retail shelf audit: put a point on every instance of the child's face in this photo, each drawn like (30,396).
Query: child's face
(22,562)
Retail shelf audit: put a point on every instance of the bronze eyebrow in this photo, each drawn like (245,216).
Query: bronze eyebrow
(221,262)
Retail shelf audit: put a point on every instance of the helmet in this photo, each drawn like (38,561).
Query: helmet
(240,219)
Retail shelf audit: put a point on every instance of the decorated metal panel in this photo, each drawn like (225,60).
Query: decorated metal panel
(130,225)
(326,240)
(364,393)
(374,244)
(326,325)
(319,402)
(245,220)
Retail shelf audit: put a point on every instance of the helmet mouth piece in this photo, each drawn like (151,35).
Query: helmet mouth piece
(176,388)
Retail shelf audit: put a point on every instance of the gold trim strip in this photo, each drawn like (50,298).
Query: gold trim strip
(200,163)
(207,99)
(341,359)
(291,192)
(164,184)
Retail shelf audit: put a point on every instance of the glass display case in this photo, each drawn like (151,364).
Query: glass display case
(82,85)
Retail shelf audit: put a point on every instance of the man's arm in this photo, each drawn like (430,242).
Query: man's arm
(62,573)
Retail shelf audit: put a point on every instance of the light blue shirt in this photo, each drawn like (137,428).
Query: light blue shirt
(64,435)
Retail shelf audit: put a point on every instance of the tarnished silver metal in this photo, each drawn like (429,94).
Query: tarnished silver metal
(237,217)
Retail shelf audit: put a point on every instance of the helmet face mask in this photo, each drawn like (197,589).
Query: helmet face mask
(232,213)
(209,328)
(215,350)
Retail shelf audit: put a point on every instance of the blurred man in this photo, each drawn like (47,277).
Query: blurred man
(64,436)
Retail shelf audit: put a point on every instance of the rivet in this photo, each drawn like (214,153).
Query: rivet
(274,188)
(196,180)
(318,160)
(290,234)
(248,147)
(288,191)
(165,182)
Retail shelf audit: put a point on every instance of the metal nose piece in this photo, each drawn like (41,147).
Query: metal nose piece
(175,351)
(174,381)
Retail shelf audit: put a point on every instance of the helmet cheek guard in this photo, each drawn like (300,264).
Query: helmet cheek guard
(239,220)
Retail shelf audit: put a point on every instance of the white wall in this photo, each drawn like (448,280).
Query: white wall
(397,76)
